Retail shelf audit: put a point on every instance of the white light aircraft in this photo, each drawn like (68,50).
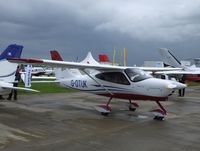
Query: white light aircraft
(39,71)
(169,59)
(122,82)
(7,70)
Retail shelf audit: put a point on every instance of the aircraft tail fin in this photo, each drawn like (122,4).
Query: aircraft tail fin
(55,55)
(103,58)
(7,74)
(12,51)
(60,72)
(168,58)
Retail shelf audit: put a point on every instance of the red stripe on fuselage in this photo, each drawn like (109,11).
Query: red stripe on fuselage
(133,96)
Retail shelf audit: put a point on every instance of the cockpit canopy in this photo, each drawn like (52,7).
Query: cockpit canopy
(136,75)
(119,77)
(114,77)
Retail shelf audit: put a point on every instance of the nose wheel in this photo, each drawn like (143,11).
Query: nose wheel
(133,106)
(159,113)
(159,118)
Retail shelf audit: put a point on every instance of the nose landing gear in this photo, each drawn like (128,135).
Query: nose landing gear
(133,106)
(159,113)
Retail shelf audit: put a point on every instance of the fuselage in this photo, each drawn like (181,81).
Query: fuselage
(2,89)
(123,85)
(7,75)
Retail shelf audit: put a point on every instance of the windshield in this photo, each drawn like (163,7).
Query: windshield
(136,75)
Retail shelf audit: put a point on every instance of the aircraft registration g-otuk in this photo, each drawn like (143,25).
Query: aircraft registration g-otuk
(122,82)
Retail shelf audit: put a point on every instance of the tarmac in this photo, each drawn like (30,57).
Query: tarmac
(63,122)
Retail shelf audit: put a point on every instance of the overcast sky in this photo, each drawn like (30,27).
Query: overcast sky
(75,27)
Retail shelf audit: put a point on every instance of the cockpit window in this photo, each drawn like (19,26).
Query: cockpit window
(136,75)
(114,77)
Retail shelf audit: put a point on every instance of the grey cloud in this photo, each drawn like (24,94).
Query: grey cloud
(144,20)
(77,26)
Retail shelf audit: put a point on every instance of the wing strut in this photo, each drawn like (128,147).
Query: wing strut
(97,82)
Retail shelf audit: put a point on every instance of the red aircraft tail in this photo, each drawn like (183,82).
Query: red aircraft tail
(103,58)
(55,55)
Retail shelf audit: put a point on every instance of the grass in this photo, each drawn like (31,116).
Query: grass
(193,83)
(46,88)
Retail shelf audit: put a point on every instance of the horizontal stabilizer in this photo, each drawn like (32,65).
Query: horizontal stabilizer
(19,88)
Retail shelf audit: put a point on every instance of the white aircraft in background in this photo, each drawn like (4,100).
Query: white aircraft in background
(39,71)
(122,82)
(7,70)
(169,59)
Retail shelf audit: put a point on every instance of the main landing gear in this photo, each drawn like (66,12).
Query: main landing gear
(159,113)
(104,109)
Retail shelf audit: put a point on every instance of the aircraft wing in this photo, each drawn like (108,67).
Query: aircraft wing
(18,88)
(178,72)
(100,67)
(156,69)
(65,64)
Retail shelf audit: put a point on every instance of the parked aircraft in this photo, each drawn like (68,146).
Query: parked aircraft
(104,59)
(11,51)
(7,70)
(122,82)
(39,71)
(192,73)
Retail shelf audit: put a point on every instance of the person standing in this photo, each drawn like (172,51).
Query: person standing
(182,91)
(1,97)
(15,84)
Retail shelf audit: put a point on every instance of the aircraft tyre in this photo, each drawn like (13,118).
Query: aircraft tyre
(104,113)
(159,118)
(131,108)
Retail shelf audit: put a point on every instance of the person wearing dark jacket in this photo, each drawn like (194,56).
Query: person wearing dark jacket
(182,91)
(1,97)
(15,84)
